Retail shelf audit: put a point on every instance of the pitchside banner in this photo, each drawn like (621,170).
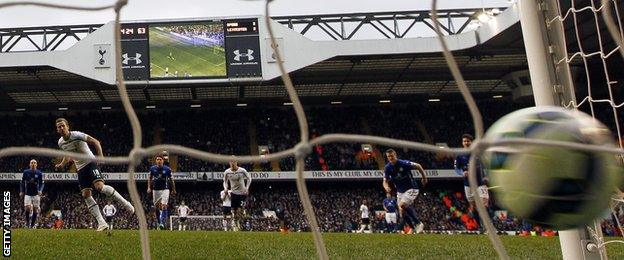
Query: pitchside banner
(134,48)
(257,176)
(243,48)
(336,175)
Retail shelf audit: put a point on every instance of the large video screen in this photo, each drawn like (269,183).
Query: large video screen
(187,50)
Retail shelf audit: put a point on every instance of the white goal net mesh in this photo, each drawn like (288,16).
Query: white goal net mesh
(592,53)
(591,50)
(304,147)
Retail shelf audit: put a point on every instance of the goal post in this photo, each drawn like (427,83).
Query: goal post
(198,222)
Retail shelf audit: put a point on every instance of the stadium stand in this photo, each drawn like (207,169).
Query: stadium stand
(210,131)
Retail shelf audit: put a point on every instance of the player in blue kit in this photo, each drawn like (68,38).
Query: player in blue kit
(158,181)
(31,188)
(461,168)
(398,175)
(390,206)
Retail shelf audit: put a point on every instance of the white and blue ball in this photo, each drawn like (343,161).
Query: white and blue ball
(557,187)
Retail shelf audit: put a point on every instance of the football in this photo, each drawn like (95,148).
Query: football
(557,187)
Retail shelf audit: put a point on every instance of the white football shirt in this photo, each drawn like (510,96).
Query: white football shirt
(236,179)
(183,211)
(364,210)
(77,143)
(109,210)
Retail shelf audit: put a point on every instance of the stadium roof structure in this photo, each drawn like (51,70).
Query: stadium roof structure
(344,67)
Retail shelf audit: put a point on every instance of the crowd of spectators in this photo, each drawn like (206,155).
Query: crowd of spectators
(215,131)
(209,34)
(336,206)
(236,131)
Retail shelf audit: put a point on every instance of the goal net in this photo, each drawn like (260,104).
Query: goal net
(210,223)
(587,49)
(587,61)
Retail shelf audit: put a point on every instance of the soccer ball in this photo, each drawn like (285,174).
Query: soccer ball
(556,187)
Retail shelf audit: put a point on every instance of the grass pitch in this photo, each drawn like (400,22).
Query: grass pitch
(168,52)
(124,244)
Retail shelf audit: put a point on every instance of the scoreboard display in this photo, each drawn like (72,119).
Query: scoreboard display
(208,49)
(242,27)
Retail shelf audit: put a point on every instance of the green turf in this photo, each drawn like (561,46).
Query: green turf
(199,61)
(124,244)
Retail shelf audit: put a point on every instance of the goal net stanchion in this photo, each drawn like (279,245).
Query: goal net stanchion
(193,221)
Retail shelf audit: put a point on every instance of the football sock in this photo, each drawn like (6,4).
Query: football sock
(407,220)
(33,219)
(163,216)
(95,210)
(110,191)
(28,217)
(411,213)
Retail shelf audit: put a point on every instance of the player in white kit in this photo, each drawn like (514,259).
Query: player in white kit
(227,210)
(109,211)
(365,221)
(89,175)
(236,181)
(183,212)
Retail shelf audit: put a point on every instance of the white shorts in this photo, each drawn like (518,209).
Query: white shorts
(391,217)
(481,190)
(32,200)
(408,197)
(161,196)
